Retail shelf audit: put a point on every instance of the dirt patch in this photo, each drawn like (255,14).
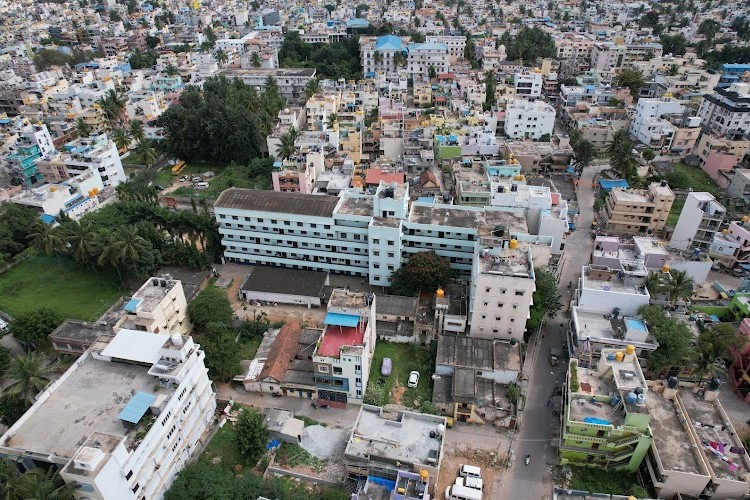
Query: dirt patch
(397,394)
(455,455)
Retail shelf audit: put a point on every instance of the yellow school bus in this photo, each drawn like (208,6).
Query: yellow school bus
(178,168)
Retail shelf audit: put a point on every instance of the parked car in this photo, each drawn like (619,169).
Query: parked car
(197,178)
(554,356)
(467,470)
(386,367)
(201,185)
(158,187)
(183,178)
(413,380)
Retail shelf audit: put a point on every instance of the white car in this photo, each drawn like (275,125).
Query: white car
(413,379)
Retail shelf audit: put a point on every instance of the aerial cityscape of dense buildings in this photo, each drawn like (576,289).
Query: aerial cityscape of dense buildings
(397,250)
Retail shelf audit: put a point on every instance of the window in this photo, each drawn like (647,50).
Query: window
(135,488)
(85,487)
(391,243)
(337,370)
(322,369)
(376,241)
(520,293)
(376,266)
(376,253)
(357,368)
(129,475)
(487,290)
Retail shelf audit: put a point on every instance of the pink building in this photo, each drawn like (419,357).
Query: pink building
(739,371)
(718,162)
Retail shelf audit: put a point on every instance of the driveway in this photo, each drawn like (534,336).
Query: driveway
(539,432)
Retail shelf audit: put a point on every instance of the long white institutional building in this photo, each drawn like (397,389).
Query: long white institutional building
(371,235)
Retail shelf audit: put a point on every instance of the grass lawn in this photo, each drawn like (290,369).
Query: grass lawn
(222,446)
(249,346)
(674,213)
(405,358)
(59,284)
(224,179)
(685,177)
(612,482)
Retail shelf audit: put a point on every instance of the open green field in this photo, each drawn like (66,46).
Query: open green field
(223,449)
(59,284)
(684,177)
(405,358)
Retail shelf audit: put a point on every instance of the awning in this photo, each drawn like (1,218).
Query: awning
(136,407)
(342,319)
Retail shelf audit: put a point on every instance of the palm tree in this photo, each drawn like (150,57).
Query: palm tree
(619,140)
(82,128)
(46,239)
(312,87)
(81,241)
(377,58)
(286,147)
(27,376)
(127,245)
(146,152)
(121,138)
(33,484)
(679,286)
(399,59)
(222,57)
(332,120)
(117,103)
(255,61)
(137,131)
(172,70)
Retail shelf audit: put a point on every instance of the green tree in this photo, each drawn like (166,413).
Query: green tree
(136,130)
(678,286)
(113,105)
(145,152)
(709,28)
(529,45)
(34,484)
(46,239)
(286,144)
(83,129)
(716,345)
(332,120)
(221,57)
(255,61)
(546,299)
(11,409)
(35,326)
(250,434)
(312,87)
(121,138)
(583,153)
(632,79)
(648,154)
(172,70)
(210,306)
(46,58)
(674,44)
(201,479)
(222,355)
(674,339)
(423,271)
(27,376)
(489,90)
(152,41)
(80,241)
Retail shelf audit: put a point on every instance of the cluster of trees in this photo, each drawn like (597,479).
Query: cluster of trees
(206,480)
(632,79)
(223,121)
(46,58)
(424,271)
(674,44)
(35,483)
(331,60)
(529,45)
(16,224)
(583,151)
(621,155)
(133,238)
(141,60)
(546,299)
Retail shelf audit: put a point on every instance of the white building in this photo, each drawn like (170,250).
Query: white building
(343,354)
(603,289)
(529,119)
(123,420)
(699,222)
(422,57)
(97,152)
(528,85)
(291,81)
(649,125)
(159,306)
(455,43)
(74,197)
(726,113)
(386,47)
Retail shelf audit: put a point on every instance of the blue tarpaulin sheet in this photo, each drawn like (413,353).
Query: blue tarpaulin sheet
(341,319)
(136,407)
(598,421)
(608,184)
(132,305)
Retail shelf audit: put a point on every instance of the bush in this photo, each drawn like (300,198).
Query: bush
(210,306)
(34,327)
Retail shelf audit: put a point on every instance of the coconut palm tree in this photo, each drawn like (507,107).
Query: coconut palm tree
(137,131)
(128,245)
(312,87)
(146,152)
(46,239)
(679,286)
(33,484)
(286,147)
(121,138)
(113,105)
(27,376)
(80,240)
(82,128)
(377,58)
(222,57)
(255,61)
(332,120)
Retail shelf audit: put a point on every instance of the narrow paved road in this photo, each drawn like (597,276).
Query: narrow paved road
(535,438)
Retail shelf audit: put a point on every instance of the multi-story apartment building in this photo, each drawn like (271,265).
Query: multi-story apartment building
(529,119)
(73,197)
(572,94)
(635,211)
(699,222)
(709,144)
(22,161)
(574,46)
(611,56)
(372,235)
(726,113)
(603,288)
(606,420)
(455,43)
(123,420)
(159,306)
(597,124)
(528,85)
(390,54)
(299,172)
(343,355)
(652,125)
(422,58)
(97,152)
(291,81)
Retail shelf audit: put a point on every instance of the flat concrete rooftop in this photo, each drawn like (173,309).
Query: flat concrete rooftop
(89,400)
(673,443)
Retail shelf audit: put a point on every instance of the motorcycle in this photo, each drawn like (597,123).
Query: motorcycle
(528,459)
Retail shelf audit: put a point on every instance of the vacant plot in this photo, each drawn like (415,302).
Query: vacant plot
(674,213)
(685,177)
(223,450)
(59,284)
(393,389)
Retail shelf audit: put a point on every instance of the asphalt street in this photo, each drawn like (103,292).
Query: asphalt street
(539,430)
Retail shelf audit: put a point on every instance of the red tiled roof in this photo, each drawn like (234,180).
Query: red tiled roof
(375,175)
(283,351)
(426,177)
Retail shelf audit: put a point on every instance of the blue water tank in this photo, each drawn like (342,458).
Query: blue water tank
(611,356)
(631,398)
(615,400)
(641,398)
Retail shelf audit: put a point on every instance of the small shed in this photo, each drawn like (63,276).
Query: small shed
(283,426)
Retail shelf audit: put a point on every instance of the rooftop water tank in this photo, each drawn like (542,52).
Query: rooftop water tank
(673,382)
(610,356)
(615,400)
(630,350)
(640,399)
(631,398)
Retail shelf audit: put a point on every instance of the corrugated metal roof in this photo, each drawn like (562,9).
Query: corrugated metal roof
(132,345)
(136,407)
(271,201)
(342,319)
